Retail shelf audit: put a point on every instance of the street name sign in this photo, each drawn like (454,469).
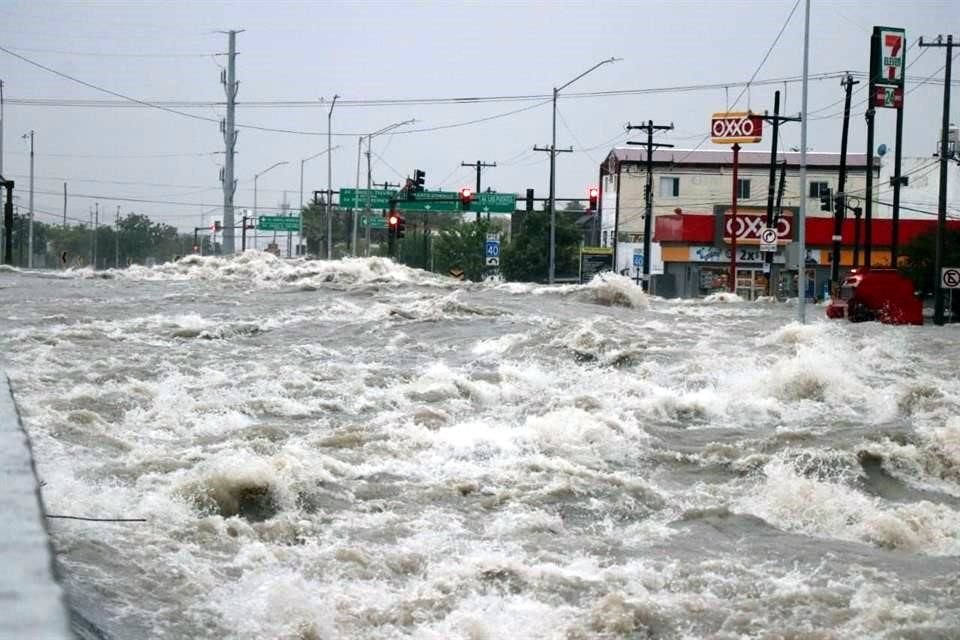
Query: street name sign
(357,198)
(495,202)
(430,202)
(374,222)
(278,223)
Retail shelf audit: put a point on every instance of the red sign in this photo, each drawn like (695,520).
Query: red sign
(749,226)
(733,127)
(888,96)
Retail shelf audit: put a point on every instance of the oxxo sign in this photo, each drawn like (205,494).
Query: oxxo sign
(750,228)
(736,127)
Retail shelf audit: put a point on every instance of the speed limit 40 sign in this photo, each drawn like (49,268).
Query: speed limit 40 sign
(950,277)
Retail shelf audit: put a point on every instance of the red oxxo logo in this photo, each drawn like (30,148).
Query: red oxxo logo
(736,127)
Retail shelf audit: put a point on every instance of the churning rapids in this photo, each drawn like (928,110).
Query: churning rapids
(355,449)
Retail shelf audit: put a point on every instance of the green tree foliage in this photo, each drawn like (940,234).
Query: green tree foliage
(574,205)
(315,230)
(525,258)
(920,252)
(462,245)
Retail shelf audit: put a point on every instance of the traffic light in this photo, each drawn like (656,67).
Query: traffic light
(216,226)
(401,225)
(826,199)
(419,177)
(393,221)
(593,193)
(466,197)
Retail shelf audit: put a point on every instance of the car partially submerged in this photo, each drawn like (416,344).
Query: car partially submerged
(884,295)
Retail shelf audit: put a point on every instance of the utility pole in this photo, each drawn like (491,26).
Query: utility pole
(329,207)
(64,205)
(802,218)
(480,165)
(775,121)
(30,226)
(8,223)
(1,127)
(552,264)
(648,200)
(116,240)
(938,301)
(840,203)
(96,225)
(229,81)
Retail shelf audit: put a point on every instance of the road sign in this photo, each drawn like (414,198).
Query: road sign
(950,277)
(278,223)
(768,240)
(492,252)
(731,127)
(637,258)
(495,202)
(594,260)
(357,198)
(429,202)
(374,222)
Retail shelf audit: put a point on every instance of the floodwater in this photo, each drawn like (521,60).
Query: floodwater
(354,449)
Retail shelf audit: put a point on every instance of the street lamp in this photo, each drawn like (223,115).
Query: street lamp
(256,176)
(553,163)
(303,162)
(30,232)
(370,137)
(330,180)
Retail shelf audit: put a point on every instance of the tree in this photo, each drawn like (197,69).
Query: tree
(920,252)
(525,257)
(462,245)
(574,205)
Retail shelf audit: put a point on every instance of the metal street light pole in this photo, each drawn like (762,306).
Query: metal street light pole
(256,177)
(30,232)
(553,169)
(369,137)
(330,180)
(303,162)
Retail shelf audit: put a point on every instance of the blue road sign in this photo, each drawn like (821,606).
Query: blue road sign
(638,259)
(493,249)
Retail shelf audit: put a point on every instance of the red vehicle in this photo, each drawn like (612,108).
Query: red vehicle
(884,295)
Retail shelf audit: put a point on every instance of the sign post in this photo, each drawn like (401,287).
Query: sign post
(734,127)
(492,250)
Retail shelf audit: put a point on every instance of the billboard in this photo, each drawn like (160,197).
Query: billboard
(888,48)
(736,127)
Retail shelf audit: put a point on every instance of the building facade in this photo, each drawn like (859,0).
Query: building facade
(697,185)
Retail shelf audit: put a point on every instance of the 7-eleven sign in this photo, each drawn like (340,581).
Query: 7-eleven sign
(888,54)
(888,96)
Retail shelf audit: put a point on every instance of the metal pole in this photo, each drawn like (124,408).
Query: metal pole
(356,220)
(801,228)
(8,224)
(648,214)
(330,180)
(768,256)
(553,214)
(733,222)
(1,127)
(300,211)
(840,204)
(868,209)
(96,225)
(938,302)
(366,233)
(616,219)
(64,205)
(30,231)
(116,240)
(895,230)
(230,139)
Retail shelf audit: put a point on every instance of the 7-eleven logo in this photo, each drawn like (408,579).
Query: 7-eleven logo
(892,54)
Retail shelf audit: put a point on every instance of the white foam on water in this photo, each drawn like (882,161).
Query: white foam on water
(831,508)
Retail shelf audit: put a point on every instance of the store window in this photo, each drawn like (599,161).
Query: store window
(669,187)
(816,188)
(743,188)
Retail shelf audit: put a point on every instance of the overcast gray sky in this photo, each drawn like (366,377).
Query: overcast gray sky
(302,51)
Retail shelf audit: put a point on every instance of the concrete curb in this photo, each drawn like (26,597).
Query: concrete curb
(32,602)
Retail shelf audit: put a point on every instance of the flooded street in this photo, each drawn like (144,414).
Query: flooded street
(356,449)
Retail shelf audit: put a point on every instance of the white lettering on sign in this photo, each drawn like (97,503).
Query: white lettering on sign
(749,227)
(736,127)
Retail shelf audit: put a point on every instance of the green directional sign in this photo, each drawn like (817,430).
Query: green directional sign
(430,202)
(374,222)
(494,202)
(357,198)
(278,223)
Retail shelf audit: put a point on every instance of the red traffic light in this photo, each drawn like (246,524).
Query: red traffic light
(466,196)
(593,193)
(393,219)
